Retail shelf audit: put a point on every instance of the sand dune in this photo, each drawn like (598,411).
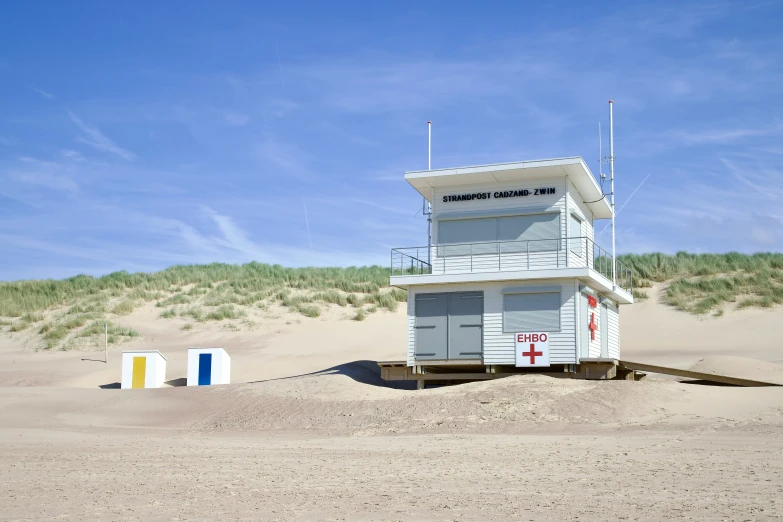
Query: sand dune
(310,432)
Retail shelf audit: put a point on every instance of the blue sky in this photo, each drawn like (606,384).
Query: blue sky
(138,135)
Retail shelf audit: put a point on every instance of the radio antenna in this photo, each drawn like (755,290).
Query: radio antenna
(600,154)
(426,206)
(611,179)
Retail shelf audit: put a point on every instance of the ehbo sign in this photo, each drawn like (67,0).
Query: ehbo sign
(531,348)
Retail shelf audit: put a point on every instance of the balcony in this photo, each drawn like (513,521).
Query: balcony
(533,257)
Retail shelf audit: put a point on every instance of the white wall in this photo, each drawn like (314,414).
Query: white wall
(577,207)
(498,346)
(566,200)
(155,371)
(221,366)
(613,327)
(555,200)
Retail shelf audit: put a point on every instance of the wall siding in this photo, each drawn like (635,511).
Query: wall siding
(553,202)
(614,331)
(498,347)
(411,324)
(576,206)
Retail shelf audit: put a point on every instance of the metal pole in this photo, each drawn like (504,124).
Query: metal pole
(600,154)
(429,145)
(106,343)
(429,204)
(611,176)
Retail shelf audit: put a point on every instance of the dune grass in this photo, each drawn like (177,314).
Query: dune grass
(218,292)
(116,332)
(703,283)
(199,293)
(19,297)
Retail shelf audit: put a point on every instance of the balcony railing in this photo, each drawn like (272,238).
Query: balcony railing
(501,256)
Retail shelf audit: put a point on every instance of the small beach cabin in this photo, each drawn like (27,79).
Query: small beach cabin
(143,369)
(513,277)
(207,366)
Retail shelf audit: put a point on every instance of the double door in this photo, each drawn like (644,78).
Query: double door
(449,326)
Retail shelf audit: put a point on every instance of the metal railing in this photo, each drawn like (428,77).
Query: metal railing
(499,256)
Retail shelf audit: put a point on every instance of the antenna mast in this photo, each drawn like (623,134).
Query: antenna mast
(611,178)
(425,203)
(600,154)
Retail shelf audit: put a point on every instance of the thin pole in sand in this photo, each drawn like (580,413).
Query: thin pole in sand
(106,343)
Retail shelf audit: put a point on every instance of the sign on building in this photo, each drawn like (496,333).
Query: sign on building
(531,349)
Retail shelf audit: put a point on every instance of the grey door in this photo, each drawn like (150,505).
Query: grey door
(431,328)
(466,310)
(604,331)
(584,331)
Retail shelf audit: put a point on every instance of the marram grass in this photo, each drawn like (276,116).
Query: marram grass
(703,283)
(220,283)
(215,292)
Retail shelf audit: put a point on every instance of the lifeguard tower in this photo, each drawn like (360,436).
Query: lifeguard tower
(512,280)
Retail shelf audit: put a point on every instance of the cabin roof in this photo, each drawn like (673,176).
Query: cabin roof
(425,181)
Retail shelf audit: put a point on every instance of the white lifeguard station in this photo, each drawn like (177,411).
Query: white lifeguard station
(143,369)
(512,280)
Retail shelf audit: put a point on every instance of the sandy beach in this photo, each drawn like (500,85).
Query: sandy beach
(308,431)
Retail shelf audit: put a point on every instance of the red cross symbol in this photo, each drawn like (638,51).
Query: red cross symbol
(592,326)
(532,354)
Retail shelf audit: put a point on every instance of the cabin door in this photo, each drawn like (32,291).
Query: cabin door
(466,310)
(584,330)
(449,326)
(431,327)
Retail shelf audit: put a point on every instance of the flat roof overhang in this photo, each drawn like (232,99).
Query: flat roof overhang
(425,181)
(587,275)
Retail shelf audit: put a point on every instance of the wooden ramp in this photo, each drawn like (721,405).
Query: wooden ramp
(701,376)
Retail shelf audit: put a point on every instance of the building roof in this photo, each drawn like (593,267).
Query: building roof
(425,181)
(145,351)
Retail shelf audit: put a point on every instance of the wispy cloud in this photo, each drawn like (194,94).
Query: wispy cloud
(45,94)
(47,174)
(719,136)
(236,119)
(93,137)
(288,156)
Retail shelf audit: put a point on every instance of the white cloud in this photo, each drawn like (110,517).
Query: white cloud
(284,155)
(718,136)
(96,139)
(43,93)
(236,119)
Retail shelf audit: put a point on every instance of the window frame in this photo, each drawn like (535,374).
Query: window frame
(537,291)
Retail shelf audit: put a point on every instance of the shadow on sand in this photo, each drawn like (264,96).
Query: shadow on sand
(710,383)
(365,372)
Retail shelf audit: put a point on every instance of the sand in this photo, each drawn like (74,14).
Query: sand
(309,431)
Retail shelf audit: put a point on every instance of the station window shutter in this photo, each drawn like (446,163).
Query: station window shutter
(454,234)
(531,312)
(542,230)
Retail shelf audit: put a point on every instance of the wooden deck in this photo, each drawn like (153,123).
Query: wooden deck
(447,372)
(700,376)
